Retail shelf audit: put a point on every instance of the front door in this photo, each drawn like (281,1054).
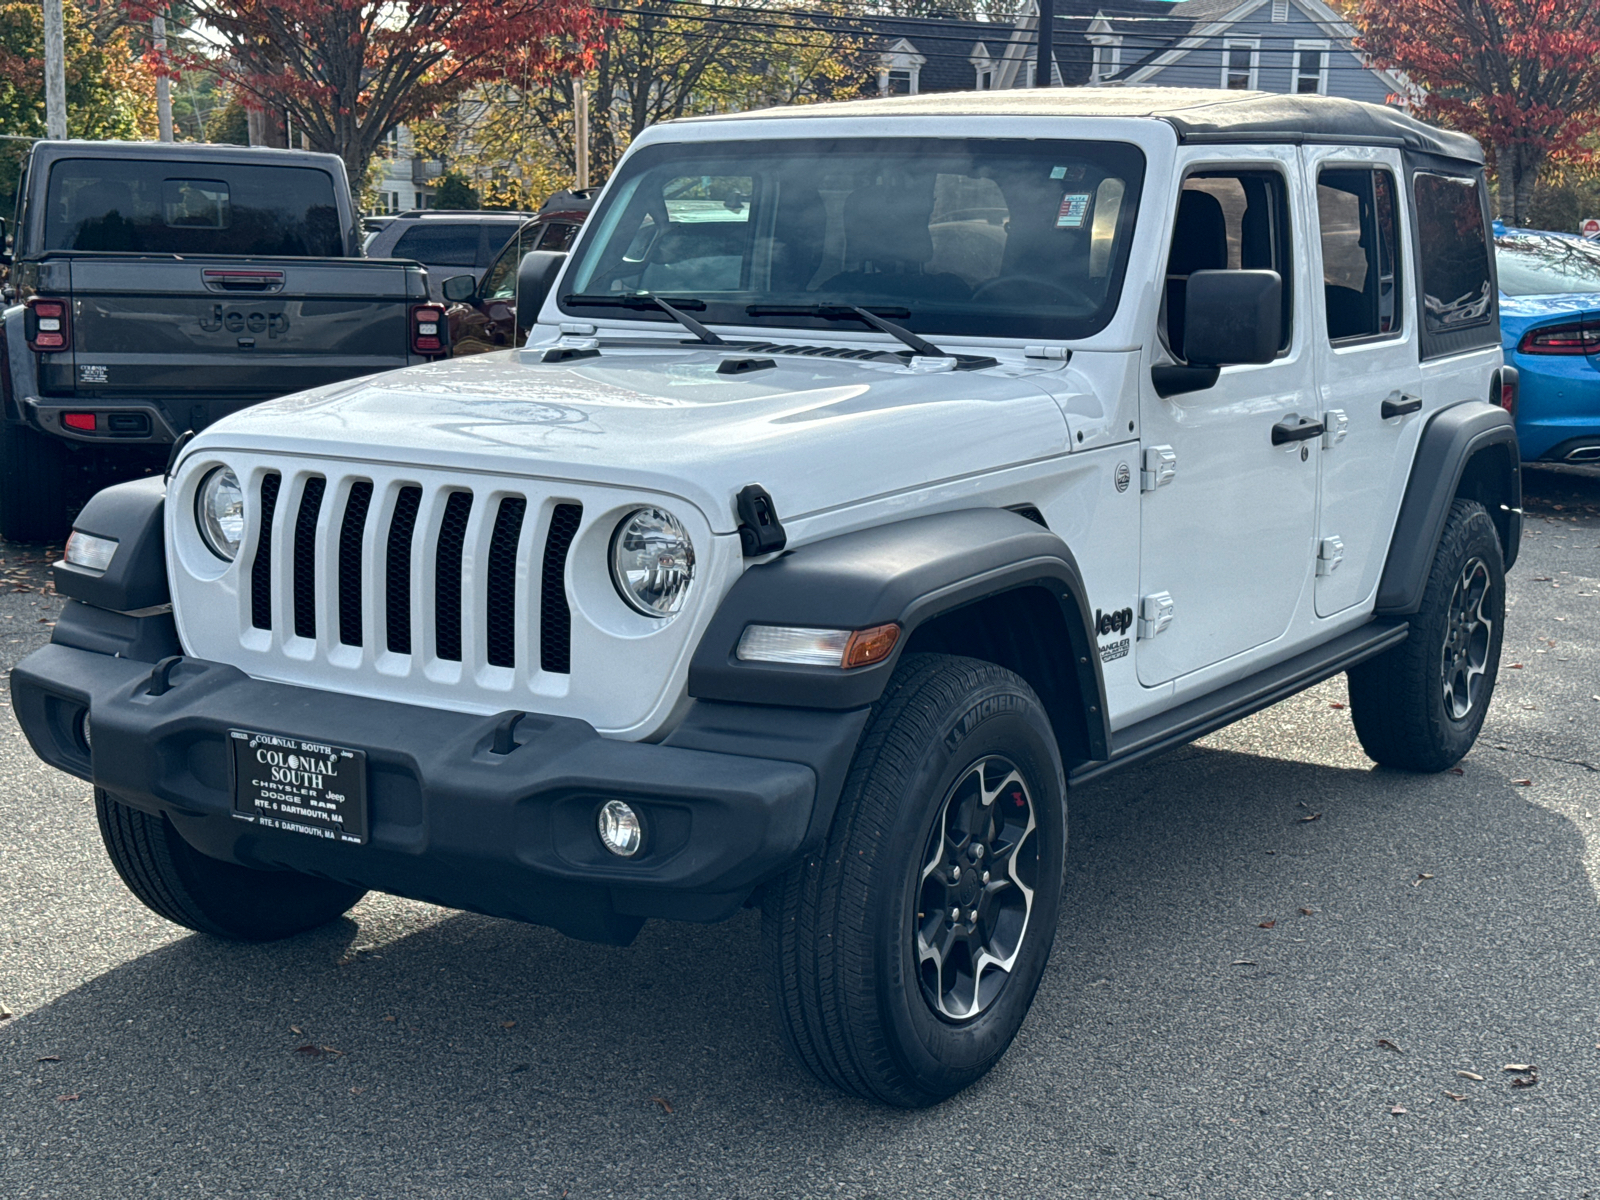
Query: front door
(1228,537)
(1365,340)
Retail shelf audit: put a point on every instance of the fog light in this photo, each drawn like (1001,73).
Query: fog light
(84,732)
(620,829)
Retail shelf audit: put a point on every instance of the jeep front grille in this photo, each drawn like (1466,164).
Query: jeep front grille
(435,565)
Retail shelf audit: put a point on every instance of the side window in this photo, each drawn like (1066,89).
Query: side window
(1359,224)
(1227,221)
(1454,252)
(557,236)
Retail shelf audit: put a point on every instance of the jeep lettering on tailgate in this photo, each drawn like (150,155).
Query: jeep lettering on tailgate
(237,321)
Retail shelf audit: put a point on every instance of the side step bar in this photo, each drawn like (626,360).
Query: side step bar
(1199,717)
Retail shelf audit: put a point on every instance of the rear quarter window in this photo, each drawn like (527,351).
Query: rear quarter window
(440,243)
(1452,244)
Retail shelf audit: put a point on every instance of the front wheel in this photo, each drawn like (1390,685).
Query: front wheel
(1420,706)
(176,881)
(905,954)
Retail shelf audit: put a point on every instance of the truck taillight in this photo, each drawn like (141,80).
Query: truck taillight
(428,332)
(48,325)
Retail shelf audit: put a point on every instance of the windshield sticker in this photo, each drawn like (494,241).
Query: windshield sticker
(1071,174)
(1074,208)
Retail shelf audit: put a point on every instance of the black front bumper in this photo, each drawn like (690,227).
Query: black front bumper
(450,820)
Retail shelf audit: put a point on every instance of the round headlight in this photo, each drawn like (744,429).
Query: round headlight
(652,561)
(219,512)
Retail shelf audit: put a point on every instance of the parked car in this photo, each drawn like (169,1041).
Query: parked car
(447,241)
(160,286)
(483,310)
(817,545)
(1550,331)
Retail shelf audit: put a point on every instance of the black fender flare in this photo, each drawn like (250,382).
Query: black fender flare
(1468,448)
(908,572)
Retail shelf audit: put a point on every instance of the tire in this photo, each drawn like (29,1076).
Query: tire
(33,485)
(862,1000)
(1419,706)
(177,882)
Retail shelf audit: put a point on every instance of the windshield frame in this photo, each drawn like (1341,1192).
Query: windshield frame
(949,321)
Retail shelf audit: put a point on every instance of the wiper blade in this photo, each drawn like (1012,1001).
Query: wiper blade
(846,312)
(673,309)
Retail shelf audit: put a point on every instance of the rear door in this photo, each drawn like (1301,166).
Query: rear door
(1365,345)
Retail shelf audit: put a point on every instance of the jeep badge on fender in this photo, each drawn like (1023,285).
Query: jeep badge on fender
(535,622)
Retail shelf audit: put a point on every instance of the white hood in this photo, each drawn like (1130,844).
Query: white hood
(814,432)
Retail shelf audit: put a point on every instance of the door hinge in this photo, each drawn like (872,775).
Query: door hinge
(1155,614)
(1330,553)
(1335,425)
(1160,467)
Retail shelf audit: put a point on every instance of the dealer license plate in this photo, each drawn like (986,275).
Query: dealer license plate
(299,786)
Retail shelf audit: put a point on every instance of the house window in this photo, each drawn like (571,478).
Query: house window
(985,78)
(1107,61)
(1241,62)
(901,82)
(1310,68)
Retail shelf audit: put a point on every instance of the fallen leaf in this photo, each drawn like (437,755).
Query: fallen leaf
(1561,618)
(1541,579)
(665,1105)
(309,1051)
(6,1014)
(507,1024)
(1522,783)
(1469,1075)
(1313,817)
(1385,1042)
(1453,1095)
(331,1050)
(1519,1067)
(296,1029)
(1336,704)
(1266,925)
(1243,962)
(74,1096)
(1514,667)
(1397,1111)
(357,1091)
(1457,771)
(389,1019)
(1525,1081)
(1420,878)
(1308,912)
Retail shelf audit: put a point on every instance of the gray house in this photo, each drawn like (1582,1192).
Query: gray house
(1257,45)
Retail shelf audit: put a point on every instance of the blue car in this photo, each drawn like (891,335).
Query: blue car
(1550,330)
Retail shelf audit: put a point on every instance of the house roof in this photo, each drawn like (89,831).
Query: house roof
(1196,114)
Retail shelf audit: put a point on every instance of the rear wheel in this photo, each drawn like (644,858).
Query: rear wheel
(175,881)
(1420,706)
(33,485)
(905,954)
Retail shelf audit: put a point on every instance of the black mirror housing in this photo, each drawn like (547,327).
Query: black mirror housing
(536,274)
(1232,317)
(459,289)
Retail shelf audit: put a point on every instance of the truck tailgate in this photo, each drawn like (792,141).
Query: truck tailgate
(248,328)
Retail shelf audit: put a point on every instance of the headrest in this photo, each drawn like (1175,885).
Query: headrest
(888,225)
(1200,238)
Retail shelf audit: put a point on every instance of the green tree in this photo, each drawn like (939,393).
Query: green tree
(229,124)
(110,92)
(453,191)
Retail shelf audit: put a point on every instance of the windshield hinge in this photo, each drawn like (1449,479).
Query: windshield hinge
(760,531)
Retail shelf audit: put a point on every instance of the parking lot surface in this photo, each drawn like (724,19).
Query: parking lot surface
(1275,966)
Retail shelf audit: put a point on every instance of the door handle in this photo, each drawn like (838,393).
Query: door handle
(1399,404)
(1296,429)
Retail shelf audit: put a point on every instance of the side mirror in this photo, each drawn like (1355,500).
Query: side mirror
(535,276)
(1232,317)
(459,289)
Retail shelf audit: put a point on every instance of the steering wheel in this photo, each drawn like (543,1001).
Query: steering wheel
(1033,281)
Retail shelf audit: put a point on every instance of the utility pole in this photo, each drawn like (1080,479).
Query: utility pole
(580,130)
(55,71)
(158,34)
(1047,43)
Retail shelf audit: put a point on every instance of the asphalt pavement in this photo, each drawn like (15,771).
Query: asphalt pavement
(1281,973)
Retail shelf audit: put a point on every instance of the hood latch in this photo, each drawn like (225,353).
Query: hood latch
(760,531)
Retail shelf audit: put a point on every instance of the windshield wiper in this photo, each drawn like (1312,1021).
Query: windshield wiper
(847,312)
(646,300)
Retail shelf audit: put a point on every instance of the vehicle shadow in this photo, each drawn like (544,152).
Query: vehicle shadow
(1176,1039)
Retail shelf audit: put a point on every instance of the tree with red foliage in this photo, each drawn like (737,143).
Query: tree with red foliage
(346,72)
(1522,76)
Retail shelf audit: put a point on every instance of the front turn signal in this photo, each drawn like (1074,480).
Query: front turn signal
(868,646)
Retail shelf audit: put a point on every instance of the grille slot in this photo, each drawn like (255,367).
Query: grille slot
(501,589)
(397,589)
(555,618)
(305,558)
(447,576)
(355,524)
(261,569)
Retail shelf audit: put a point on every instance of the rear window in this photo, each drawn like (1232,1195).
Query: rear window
(1454,251)
(154,207)
(1531,265)
(439,243)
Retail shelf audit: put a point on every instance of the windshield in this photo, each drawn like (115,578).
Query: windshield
(985,237)
(1531,265)
(154,207)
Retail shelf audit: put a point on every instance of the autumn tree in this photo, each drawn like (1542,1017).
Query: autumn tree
(344,73)
(1522,76)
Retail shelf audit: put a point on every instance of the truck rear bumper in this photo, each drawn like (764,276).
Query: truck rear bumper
(138,422)
(450,820)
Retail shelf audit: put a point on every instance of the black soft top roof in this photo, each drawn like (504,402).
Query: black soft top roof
(1195,114)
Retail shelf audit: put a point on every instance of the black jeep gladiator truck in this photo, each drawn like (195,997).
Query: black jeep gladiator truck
(155,288)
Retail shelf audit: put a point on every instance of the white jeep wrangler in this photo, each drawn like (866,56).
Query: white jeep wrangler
(873,473)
